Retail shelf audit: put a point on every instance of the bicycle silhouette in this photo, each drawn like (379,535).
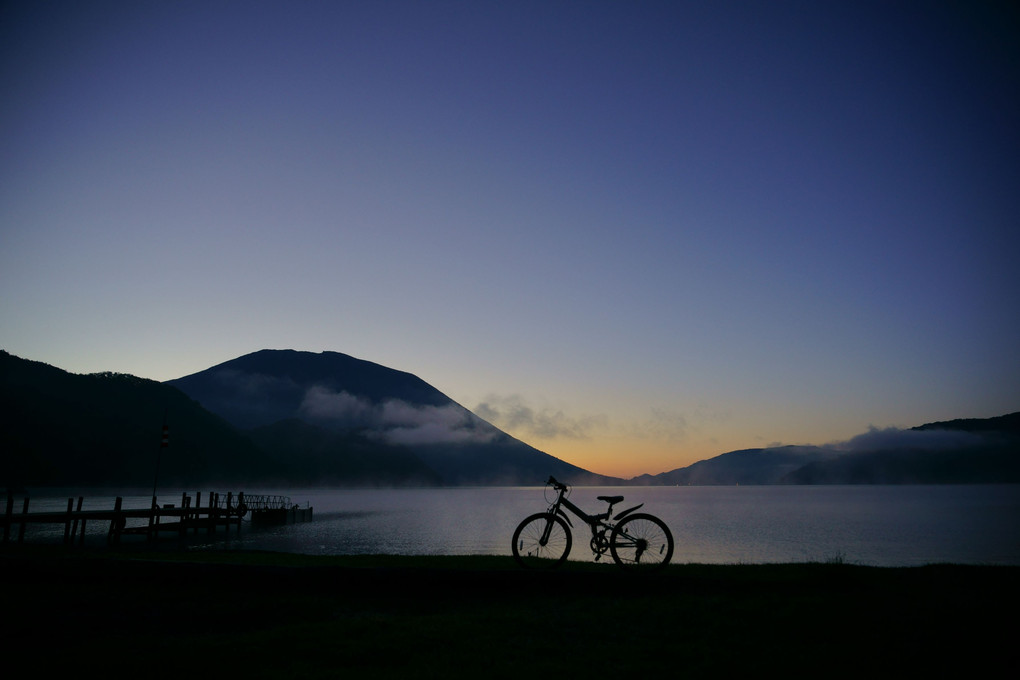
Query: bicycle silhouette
(635,540)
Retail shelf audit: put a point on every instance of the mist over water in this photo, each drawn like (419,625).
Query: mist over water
(868,525)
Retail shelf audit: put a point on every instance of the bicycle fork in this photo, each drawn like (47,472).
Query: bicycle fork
(544,540)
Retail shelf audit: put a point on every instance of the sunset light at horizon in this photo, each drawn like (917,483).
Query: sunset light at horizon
(633,235)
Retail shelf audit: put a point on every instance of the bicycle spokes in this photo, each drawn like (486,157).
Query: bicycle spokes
(641,540)
(541,540)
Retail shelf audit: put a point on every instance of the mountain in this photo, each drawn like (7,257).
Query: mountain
(1001,427)
(105,429)
(966,451)
(281,417)
(269,418)
(307,455)
(362,422)
(747,466)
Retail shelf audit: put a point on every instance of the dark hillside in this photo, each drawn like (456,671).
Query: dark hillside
(64,429)
(964,451)
(1007,425)
(310,455)
(747,466)
(271,418)
(982,463)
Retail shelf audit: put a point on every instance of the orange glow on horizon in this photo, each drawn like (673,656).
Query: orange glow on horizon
(626,459)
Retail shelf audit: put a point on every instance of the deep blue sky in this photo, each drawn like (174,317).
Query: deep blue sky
(633,234)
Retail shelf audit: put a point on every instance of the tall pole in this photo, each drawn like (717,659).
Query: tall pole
(164,442)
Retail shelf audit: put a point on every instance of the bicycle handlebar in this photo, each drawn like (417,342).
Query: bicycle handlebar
(556,485)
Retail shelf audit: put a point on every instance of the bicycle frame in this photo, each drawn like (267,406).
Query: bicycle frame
(599,523)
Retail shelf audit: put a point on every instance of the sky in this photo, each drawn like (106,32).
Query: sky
(632,234)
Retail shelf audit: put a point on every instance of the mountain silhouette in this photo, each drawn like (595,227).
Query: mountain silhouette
(747,466)
(278,418)
(105,429)
(330,413)
(283,417)
(308,455)
(965,451)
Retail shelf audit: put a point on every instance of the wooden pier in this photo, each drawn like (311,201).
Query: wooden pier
(220,512)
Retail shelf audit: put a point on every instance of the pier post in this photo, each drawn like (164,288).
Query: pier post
(24,521)
(241,509)
(67,522)
(117,523)
(153,519)
(74,525)
(8,515)
(211,529)
(185,502)
(74,529)
(214,512)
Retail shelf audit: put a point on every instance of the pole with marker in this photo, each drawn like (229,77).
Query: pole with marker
(164,442)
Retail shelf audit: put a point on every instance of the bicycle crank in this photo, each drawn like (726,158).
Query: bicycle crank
(599,545)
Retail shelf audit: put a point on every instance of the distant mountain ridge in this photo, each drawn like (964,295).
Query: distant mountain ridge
(746,466)
(973,451)
(1007,425)
(283,417)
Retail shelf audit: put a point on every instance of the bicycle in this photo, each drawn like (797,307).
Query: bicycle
(635,540)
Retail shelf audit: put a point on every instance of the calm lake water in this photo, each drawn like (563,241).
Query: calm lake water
(870,525)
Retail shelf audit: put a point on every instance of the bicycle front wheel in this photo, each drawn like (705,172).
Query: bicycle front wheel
(641,542)
(541,541)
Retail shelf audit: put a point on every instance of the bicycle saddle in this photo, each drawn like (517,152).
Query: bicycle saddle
(612,500)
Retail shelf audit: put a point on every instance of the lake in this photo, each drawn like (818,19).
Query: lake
(868,525)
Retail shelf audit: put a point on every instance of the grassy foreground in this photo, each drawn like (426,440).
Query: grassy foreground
(186,614)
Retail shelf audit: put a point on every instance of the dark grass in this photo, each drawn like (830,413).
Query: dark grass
(190,614)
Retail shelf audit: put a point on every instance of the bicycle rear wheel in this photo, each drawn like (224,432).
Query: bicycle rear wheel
(641,542)
(541,541)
